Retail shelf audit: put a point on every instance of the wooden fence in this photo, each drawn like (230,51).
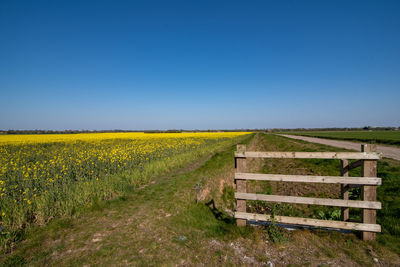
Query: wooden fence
(367,159)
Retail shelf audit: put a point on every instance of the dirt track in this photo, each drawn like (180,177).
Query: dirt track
(388,152)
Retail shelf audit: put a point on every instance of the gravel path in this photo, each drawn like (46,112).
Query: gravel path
(388,152)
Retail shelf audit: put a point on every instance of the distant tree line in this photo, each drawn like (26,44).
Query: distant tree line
(366,128)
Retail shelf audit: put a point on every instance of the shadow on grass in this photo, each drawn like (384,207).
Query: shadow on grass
(219,215)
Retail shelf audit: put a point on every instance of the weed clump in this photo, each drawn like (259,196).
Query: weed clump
(276,234)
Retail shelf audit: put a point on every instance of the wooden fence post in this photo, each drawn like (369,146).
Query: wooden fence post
(344,188)
(369,169)
(241,185)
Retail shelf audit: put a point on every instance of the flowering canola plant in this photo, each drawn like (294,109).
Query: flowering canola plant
(33,165)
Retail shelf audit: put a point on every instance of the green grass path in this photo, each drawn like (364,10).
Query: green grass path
(161,224)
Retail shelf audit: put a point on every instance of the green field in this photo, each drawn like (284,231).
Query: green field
(379,137)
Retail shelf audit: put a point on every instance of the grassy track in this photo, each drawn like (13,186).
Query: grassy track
(380,137)
(41,181)
(161,224)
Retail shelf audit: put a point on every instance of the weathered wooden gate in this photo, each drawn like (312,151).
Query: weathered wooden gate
(367,159)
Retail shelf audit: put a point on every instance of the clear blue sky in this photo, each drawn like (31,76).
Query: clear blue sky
(199,64)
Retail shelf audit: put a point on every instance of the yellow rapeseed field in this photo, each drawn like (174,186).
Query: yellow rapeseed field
(43,176)
(49,138)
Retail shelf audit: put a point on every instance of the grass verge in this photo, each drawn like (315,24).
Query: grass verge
(379,137)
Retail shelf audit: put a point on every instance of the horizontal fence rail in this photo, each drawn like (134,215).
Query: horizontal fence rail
(309,178)
(309,155)
(367,159)
(310,222)
(311,201)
